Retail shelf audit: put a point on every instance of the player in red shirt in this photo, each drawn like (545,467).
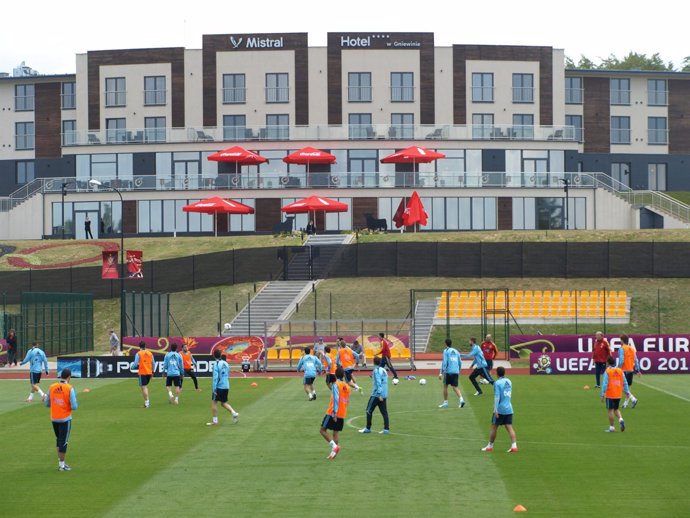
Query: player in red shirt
(601,352)
(386,355)
(490,351)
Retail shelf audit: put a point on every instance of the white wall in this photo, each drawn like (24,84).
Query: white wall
(25,221)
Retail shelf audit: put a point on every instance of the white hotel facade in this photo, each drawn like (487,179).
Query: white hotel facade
(515,125)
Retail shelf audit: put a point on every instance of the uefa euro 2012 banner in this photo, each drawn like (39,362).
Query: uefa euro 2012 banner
(582,363)
(250,348)
(522,346)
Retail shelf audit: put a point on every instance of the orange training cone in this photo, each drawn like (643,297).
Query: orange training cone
(586,387)
(519,509)
(254,384)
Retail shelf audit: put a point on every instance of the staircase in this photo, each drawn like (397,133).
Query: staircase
(312,260)
(423,322)
(275,301)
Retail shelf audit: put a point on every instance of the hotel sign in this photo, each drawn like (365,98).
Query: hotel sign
(377,40)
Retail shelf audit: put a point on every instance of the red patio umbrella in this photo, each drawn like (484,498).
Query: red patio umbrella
(239,156)
(309,155)
(314,204)
(414,212)
(413,155)
(216,205)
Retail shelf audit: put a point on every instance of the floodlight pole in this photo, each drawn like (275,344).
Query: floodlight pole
(95,183)
(64,193)
(566,186)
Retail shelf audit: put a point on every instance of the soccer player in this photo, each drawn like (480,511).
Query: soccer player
(600,353)
(490,352)
(328,367)
(479,364)
(189,363)
(37,361)
(386,354)
(346,358)
(379,397)
(146,365)
(61,400)
(337,410)
(311,366)
(220,389)
(627,360)
(503,411)
(173,366)
(612,389)
(450,373)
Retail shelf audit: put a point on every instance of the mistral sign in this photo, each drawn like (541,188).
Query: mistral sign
(256,42)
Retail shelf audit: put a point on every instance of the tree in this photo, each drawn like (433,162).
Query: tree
(685,64)
(633,61)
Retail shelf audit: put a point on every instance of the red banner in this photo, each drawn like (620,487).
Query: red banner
(109,269)
(134,264)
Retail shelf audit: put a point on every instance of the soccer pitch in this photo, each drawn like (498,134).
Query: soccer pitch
(164,461)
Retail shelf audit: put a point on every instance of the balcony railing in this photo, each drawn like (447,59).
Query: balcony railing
(234,95)
(155,97)
(317,133)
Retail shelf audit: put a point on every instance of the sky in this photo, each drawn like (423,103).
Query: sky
(50,41)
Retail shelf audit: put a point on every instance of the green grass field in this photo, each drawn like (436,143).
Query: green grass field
(163,461)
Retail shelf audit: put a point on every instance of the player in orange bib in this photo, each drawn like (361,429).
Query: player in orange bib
(347,358)
(337,410)
(62,400)
(329,366)
(628,361)
(612,389)
(189,364)
(146,365)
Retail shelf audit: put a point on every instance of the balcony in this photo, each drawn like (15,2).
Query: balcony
(315,133)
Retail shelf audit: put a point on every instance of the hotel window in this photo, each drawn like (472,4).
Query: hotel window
(620,130)
(359,87)
(115,130)
(359,126)
(402,87)
(277,88)
(277,126)
(576,122)
(482,88)
(234,89)
(656,177)
(69,132)
(657,92)
(620,91)
(482,125)
(620,171)
(523,88)
(234,127)
(657,130)
(154,91)
(573,90)
(68,96)
(115,93)
(24,98)
(154,129)
(523,126)
(402,125)
(25,171)
(24,135)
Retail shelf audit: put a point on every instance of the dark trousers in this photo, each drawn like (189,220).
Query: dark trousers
(489,365)
(191,374)
(484,374)
(386,361)
(371,406)
(11,356)
(600,368)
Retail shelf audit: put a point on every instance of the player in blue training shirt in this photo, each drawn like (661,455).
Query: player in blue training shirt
(37,361)
(450,373)
(220,389)
(479,362)
(311,366)
(173,366)
(379,397)
(503,411)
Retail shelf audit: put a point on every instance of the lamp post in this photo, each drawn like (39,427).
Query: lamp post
(95,183)
(64,193)
(566,186)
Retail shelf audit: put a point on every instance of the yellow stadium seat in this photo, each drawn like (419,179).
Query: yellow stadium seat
(405,353)
(284,354)
(296,354)
(272,353)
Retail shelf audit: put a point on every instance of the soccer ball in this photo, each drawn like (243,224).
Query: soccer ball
(227,326)
(422,381)
(396,381)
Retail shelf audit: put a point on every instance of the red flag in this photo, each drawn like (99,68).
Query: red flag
(109,269)
(134,264)
(398,218)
